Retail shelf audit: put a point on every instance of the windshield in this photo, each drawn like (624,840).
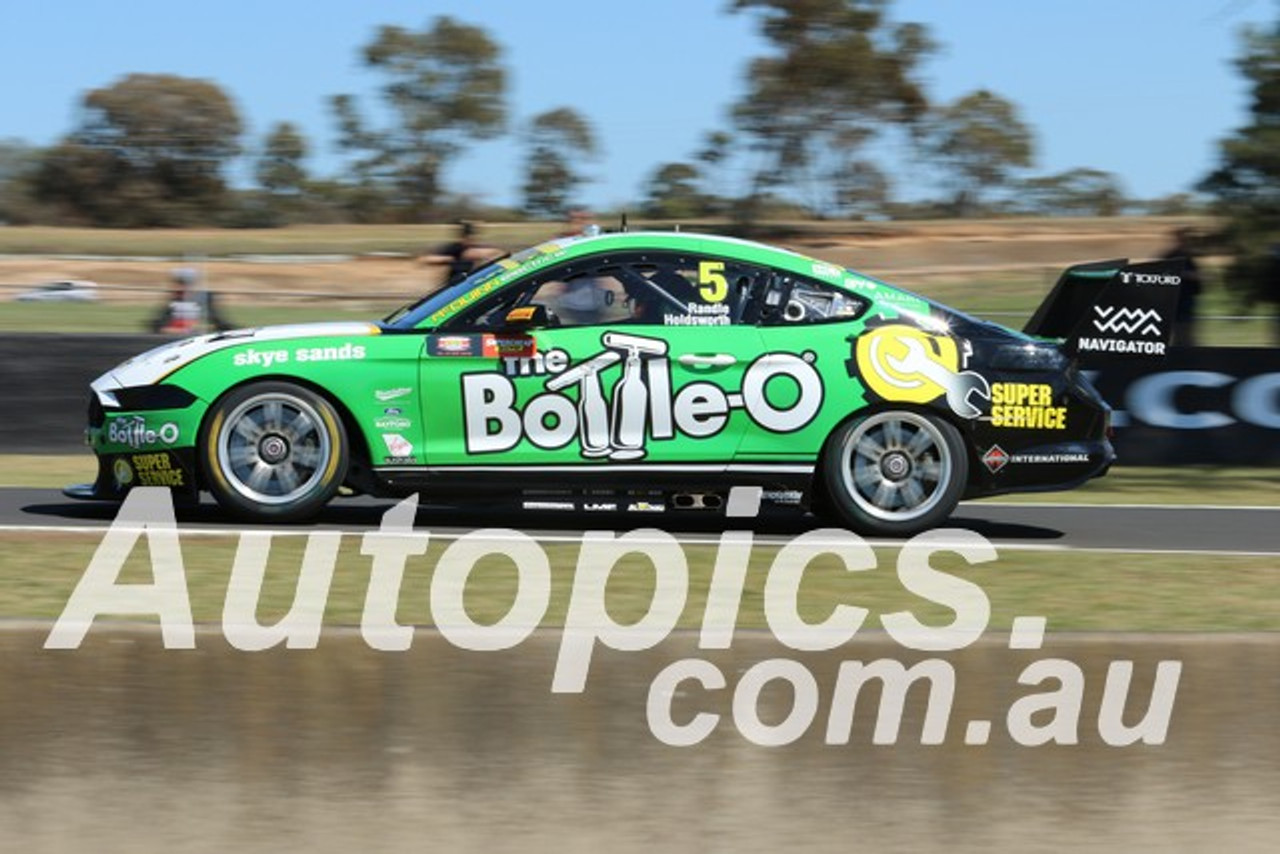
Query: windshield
(412,314)
(484,281)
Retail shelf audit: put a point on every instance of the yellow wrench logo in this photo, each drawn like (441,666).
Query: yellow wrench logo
(905,364)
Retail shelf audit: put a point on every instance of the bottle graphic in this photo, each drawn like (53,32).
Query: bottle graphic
(632,397)
(630,400)
(593,410)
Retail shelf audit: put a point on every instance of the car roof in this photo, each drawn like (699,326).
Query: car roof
(570,248)
(688,241)
(562,249)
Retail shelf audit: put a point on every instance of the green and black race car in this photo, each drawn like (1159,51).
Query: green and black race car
(638,371)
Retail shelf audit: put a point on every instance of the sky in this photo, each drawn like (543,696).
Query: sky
(1144,89)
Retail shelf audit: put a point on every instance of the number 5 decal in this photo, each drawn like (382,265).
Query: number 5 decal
(712,284)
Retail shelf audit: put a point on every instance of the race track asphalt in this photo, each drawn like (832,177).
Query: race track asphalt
(1251,530)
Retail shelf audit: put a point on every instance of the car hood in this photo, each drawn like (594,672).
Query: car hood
(156,364)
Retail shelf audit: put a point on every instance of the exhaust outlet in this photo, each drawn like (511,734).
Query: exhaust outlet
(697,501)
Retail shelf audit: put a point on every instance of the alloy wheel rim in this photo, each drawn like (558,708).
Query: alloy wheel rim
(895,466)
(273,449)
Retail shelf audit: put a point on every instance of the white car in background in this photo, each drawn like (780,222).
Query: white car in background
(65,291)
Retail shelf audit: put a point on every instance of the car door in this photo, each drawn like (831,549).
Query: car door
(637,364)
(803,377)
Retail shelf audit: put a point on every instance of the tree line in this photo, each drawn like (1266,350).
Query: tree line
(840,83)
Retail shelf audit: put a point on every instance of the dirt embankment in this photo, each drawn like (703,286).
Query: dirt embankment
(903,253)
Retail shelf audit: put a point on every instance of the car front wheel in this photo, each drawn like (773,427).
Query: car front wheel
(895,473)
(274,452)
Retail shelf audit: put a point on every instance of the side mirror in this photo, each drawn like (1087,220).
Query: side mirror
(526,318)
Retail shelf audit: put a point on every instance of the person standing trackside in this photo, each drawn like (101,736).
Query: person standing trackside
(463,256)
(579,224)
(1271,285)
(1183,249)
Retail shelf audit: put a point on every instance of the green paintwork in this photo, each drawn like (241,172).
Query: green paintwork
(407,406)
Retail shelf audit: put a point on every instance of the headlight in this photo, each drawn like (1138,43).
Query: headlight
(1029,357)
(144,397)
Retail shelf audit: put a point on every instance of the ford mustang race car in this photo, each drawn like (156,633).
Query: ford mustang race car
(646,372)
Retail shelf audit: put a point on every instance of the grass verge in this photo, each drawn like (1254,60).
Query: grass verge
(1009,303)
(214,242)
(1115,592)
(1188,485)
(135,319)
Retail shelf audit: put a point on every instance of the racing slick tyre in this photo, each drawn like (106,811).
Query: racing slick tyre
(273,451)
(895,473)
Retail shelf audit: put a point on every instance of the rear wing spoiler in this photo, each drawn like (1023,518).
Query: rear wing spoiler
(1112,309)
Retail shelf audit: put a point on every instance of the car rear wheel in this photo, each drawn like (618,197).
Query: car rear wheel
(274,451)
(895,473)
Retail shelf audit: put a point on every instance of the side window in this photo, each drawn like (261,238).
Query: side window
(677,290)
(786,299)
(653,288)
(588,298)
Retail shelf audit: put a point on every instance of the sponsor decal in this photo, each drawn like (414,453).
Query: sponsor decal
(397,445)
(995,459)
(393,410)
(1129,277)
(1144,321)
(600,506)
(1050,458)
(1124,321)
(643,404)
(536,364)
(509,347)
(1120,345)
(488,345)
(451,345)
(548,505)
(122,472)
(254,358)
(156,470)
(388,394)
(827,271)
(1026,406)
(904,364)
(393,422)
(699,314)
(136,433)
(646,507)
(523,314)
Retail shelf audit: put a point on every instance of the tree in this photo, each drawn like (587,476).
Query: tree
(446,86)
(980,141)
(1174,204)
(714,155)
(673,192)
(862,189)
(285,195)
(18,163)
(1246,184)
(148,150)
(557,139)
(280,169)
(1076,192)
(841,73)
